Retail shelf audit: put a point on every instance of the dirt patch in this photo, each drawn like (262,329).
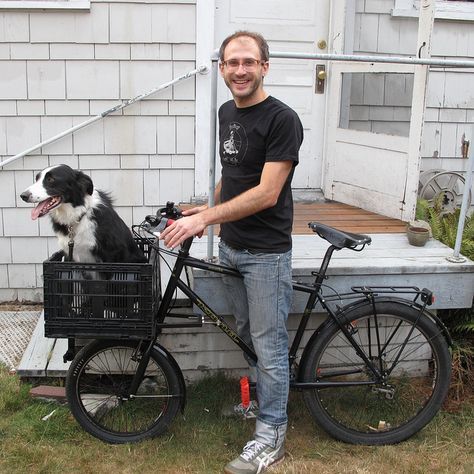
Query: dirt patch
(16,306)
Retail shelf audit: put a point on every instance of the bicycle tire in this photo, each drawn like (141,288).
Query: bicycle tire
(418,383)
(96,389)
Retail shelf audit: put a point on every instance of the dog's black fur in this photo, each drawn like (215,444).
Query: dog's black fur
(86,215)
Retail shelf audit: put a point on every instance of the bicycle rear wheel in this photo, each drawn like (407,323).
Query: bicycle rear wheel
(97,388)
(412,352)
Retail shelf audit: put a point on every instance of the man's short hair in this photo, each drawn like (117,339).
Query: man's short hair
(257,37)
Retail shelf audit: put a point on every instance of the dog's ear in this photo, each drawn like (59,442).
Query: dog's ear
(85,182)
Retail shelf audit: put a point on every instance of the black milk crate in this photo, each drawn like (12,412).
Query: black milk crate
(102,300)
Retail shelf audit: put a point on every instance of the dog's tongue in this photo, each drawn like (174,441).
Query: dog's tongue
(40,210)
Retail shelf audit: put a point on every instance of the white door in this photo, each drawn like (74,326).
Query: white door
(287,26)
(372,155)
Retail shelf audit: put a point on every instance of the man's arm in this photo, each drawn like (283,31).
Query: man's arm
(256,199)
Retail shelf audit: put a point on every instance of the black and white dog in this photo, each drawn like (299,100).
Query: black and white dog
(83,215)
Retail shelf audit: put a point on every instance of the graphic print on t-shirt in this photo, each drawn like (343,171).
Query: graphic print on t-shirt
(234,144)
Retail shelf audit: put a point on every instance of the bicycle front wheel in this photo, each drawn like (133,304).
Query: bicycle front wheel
(412,353)
(97,389)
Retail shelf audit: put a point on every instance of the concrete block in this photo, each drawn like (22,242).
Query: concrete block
(448,142)
(160,161)
(70,160)
(182,107)
(184,90)
(4,51)
(92,79)
(21,180)
(92,162)
(137,77)
(7,107)
(22,276)
(3,280)
(164,19)
(67,107)
(29,51)
(3,136)
(89,140)
(28,250)
(388,34)
(13,80)
(30,107)
(112,51)
(153,107)
(5,250)
(136,18)
(183,52)
(184,134)
(152,187)
(166,132)
(50,127)
(175,185)
(92,27)
(368,32)
(17,222)
(126,186)
(14,27)
(22,133)
(46,80)
(452,115)
(182,161)
(151,52)
(8,294)
(134,161)
(130,135)
(97,107)
(430,143)
(378,6)
(71,51)
(46,229)
(33,295)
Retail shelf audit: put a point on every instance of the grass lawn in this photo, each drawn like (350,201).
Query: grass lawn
(202,441)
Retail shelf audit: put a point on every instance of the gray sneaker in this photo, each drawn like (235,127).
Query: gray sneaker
(255,458)
(240,411)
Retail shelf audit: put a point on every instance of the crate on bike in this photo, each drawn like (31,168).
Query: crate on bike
(102,300)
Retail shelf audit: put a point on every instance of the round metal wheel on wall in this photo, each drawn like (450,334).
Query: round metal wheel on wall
(415,361)
(97,389)
(444,188)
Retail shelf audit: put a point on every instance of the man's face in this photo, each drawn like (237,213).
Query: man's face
(245,83)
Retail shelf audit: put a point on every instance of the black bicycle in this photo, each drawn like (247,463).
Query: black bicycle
(375,372)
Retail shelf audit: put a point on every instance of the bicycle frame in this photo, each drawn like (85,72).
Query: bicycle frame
(185,260)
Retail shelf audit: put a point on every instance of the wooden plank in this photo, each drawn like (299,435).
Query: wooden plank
(35,359)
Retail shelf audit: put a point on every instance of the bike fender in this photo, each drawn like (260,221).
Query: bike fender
(164,352)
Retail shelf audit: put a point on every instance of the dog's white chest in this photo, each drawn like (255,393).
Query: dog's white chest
(84,241)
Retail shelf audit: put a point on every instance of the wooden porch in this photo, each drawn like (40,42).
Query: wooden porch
(389,260)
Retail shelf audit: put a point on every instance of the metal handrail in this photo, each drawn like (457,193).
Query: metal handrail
(200,70)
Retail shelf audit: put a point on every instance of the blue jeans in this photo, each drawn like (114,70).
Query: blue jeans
(260,303)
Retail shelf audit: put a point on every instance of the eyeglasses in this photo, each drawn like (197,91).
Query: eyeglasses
(249,64)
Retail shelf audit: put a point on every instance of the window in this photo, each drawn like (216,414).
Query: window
(38,5)
(445,9)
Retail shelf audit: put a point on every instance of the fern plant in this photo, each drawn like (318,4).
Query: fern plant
(444,228)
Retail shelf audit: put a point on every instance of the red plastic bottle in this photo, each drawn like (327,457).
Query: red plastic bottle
(245,391)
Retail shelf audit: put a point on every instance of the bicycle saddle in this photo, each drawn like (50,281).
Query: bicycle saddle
(338,238)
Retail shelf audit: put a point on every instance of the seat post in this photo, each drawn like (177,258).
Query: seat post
(324,266)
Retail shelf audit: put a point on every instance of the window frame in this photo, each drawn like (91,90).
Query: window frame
(41,5)
(445,10)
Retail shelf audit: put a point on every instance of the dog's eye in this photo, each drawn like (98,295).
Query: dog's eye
(49,179)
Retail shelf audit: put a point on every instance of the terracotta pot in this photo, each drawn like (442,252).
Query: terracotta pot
(418,236)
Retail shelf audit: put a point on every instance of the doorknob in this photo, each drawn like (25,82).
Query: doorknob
(321,76)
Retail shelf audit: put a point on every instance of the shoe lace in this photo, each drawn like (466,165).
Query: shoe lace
(251,449)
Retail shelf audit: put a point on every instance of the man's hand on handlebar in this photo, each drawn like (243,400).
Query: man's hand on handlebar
(190,225)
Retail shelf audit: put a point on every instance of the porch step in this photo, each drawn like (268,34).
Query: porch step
(49,392)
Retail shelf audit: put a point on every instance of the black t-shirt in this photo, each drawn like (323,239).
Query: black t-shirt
(248,138)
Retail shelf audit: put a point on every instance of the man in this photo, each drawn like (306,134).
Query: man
(259,139)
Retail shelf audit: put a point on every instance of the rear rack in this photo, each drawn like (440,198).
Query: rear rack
(424,294)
